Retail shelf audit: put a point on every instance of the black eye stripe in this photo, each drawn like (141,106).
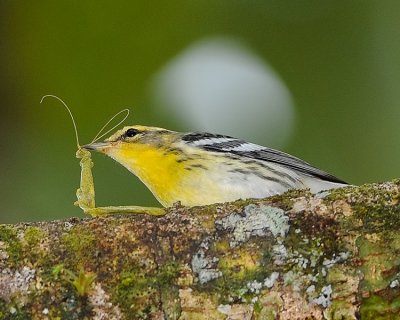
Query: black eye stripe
(131,132)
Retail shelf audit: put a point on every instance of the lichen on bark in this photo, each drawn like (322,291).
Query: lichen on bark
(333,255)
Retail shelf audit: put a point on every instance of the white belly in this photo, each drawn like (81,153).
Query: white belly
(222,183)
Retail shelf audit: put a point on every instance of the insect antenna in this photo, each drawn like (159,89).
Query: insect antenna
(70,113)
(100,135)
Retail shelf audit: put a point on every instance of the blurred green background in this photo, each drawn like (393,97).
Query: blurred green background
(333,67)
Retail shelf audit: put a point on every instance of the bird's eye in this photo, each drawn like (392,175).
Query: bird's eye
(131,133)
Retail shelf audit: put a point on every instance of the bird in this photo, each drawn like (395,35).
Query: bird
(201,168)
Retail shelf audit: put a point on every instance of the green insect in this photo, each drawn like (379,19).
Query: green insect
(86,193)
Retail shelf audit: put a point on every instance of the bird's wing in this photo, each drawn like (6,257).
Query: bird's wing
(222,143)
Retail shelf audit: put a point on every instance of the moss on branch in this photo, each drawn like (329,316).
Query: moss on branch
(333,255)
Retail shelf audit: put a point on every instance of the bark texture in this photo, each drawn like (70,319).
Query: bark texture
(333,255)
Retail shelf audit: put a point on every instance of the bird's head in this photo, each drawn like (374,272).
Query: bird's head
(133,139)
(138,147)
(151,153)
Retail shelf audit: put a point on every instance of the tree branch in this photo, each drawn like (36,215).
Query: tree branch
(297,256)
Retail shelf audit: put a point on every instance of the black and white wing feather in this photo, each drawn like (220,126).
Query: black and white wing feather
(222,143)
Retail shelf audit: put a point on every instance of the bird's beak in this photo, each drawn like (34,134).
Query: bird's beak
(98,146)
